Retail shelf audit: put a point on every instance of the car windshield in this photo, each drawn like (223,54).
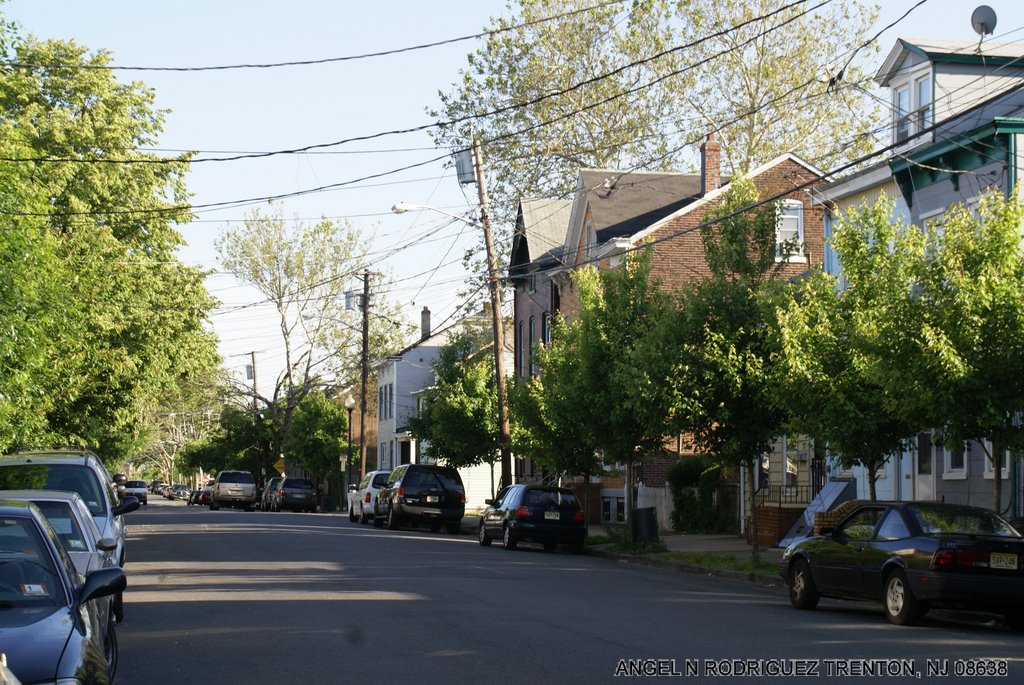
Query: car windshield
(65,525)
(939,519)
(27,574)
(66,477)
(552,498)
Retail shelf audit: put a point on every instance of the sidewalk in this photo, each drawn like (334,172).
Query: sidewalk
(734,545)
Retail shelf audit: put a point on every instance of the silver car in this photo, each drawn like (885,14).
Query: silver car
(70,519)
(78,471)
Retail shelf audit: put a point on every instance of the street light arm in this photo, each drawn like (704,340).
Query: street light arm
(403,207)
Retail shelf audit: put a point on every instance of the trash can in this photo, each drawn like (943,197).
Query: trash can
(645,525)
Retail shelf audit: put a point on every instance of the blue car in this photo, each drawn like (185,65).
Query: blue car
(50,626)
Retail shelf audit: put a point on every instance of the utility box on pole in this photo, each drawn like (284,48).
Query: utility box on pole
(464,167)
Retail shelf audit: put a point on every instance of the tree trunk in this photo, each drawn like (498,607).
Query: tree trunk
(755,549)
(872,481)
(997,477)
(628,501)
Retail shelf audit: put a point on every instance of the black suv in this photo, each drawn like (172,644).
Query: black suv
(423,494)
(296,494)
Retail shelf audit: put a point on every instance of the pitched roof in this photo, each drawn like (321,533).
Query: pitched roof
(948,52)
(544,223)
(623,203)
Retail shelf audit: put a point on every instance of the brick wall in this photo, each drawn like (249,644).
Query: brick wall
(773,523)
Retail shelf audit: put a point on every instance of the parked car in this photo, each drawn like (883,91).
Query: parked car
(548,515)
(155,486)
(295,494)
(234,489)
(206,496)
(421,494)
(137,489)
(267,498)
(912,556)
(180,492)
(50,625)
(74,471)
(75,528)
(193,497)
(363,497)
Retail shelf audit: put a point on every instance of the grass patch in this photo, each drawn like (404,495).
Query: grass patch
(725,562)
(599,540)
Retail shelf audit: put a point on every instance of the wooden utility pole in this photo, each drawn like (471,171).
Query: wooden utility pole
(365,374)
(496,315)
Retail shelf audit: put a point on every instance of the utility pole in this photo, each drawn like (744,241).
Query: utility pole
(365,374)
(254,405)
(496,316)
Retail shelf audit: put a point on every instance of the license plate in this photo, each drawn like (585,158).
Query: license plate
(431,498)
(552,515)
(1007,561)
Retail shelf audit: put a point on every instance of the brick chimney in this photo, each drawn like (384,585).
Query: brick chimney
(425,323)
(710,165)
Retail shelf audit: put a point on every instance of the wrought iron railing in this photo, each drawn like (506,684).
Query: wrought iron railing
(785,494)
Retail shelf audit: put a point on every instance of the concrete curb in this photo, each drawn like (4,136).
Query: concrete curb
(679,567)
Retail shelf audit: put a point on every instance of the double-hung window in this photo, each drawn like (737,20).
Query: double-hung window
(912,106)
(789,235)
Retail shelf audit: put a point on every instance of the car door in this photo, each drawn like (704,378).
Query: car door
(890,538)
(494,516)
(837,563)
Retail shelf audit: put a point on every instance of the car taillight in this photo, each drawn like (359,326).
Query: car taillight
(462,496)
(949,558)
(578,516)
(366,498)
(401,491)
(523,512)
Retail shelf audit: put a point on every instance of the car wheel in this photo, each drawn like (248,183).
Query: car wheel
(435,527)
(110,650)
(454,527)
(352,514)
(508,539)
(378,522)
(901,606)
(392,521)
(577,547)
(483,537)
(364,518)
(550,546)
(214,506)
(1015,620)
(117,606)
(803,593)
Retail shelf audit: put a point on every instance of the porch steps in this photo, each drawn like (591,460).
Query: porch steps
(832,494)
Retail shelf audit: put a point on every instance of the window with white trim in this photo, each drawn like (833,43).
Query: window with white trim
(912,106)
(1004,464)
(789,234)
(954,462)
(533,340)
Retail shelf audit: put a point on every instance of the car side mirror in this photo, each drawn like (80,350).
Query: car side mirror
(102,582)
(488,502)
(827,532)
(106,544)
(353,488)
(128,505)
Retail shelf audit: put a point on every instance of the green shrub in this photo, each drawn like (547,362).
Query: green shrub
(693,483)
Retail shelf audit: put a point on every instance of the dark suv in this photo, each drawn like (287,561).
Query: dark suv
(233,489)
(296,494)
(422,494)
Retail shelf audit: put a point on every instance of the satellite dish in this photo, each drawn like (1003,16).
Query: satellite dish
(983,20)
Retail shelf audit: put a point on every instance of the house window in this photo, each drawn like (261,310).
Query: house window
(790,232)
(545,329)
(531,283)
(533,337)
(520,362)
(1004,463)
(912,107)
(954,463)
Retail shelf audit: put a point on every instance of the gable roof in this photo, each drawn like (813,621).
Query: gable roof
(948,52)
(624,202)
(540,233)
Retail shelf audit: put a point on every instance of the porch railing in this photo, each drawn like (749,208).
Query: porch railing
(785,494)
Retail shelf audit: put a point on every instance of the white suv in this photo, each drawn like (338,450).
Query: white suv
(363,498)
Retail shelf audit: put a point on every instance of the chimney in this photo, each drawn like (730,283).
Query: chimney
(425,323)
(710,165)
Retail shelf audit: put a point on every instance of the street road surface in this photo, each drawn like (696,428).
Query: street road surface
(237,597)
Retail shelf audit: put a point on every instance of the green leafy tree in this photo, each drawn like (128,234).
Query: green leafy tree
(969,373)
(316,440)
(458,424)
(723,334)
(835,341)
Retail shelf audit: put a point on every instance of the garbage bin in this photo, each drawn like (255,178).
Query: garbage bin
(645,525)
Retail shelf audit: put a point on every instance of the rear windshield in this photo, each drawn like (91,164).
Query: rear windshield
(299,483)
(961,521)
(27,574)
(559,499)
(380,479)
(135,484)
(66,477)
(65,525)
(236,477)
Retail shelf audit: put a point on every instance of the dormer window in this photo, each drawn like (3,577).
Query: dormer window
(912,106)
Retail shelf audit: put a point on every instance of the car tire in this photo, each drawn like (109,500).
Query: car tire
(378,522)
(550,546)
(214,506)
(483,537)
(454,527)
(578,547)
(803,593)
(435,527)
(352,514)
(364,518)
(508,539)
(1015,620)
(110,650)
(117,605)
(901,606)
(392,521)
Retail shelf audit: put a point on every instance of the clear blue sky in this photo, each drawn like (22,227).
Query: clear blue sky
(270,109)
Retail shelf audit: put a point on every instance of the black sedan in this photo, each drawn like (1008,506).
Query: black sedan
(912,556)
(548,515)
(49,625)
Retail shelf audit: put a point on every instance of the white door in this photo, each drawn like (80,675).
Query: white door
(924,468)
